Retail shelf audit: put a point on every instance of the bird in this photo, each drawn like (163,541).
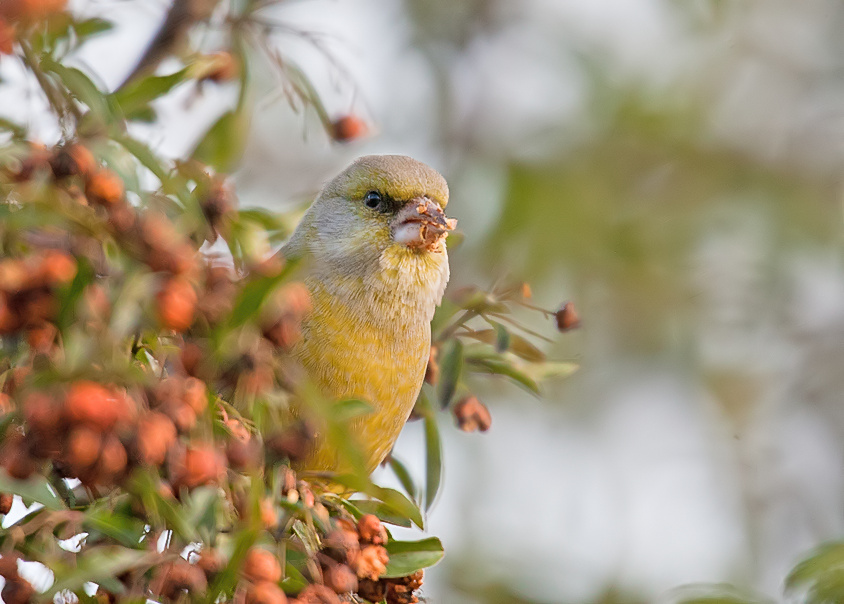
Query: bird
(377,268)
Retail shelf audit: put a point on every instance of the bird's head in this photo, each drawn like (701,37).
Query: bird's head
(381,211)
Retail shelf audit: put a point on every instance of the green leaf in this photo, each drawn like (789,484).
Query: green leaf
(161,510)
(502,367)
(82,88)
(70,295)
(346,410)
(515,343)
(145,155)
(502,338)
(294,581)
(825,558)
(451,370)
(138,94)
(35,489)
(407,557)
(10,126)
(383,512)
(126,531)
(402,473)
(91,27)
(390,497)
(433,450)
(252,297)
(223,144)
(549,369)
(202,507)
(97,565)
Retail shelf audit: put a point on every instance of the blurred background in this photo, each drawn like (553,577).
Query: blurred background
(672,167)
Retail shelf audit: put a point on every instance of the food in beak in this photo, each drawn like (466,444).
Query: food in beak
(421,223)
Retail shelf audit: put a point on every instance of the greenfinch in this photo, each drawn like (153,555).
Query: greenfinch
(377,269)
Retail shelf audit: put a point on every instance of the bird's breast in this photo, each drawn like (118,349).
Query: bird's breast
(369,338)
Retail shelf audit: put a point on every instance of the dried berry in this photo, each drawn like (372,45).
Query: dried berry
(472,415)
(317,594)
(17,591)
(72,160)
(6,500)
(211,562)
(567,317)
(371,530)
(294,443)
(176,578)
(374,591)
(15,458)
(261,565)
(340,578)
(342,545)
(432,370)
(372,562)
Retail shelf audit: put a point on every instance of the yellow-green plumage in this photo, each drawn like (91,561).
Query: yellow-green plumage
(368,335)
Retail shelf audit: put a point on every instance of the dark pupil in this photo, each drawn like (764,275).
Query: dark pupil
(372,199)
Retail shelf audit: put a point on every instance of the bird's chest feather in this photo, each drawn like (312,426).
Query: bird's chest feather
(368,337)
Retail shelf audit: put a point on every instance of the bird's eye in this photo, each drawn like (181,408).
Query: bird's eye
(373,200)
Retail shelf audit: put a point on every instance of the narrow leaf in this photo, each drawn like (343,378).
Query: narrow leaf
(502,367)
(451,369)
(35,489)
(402,473)
(139,93)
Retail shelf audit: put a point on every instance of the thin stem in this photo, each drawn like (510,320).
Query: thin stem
(60,104)
(449,331)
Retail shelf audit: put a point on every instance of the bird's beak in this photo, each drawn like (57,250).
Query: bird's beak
(421,223)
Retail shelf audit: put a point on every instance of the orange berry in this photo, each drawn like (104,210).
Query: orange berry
(199,465)
(265,592)
(269,517)
(223,66)
(95,405)
(155,435)
(348,128)
(40,337)
(56,267)
(195,394)
(261,565)
(82,448)
(104,187)
(112,460)
(7,37)
(6,500)
(176,304)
